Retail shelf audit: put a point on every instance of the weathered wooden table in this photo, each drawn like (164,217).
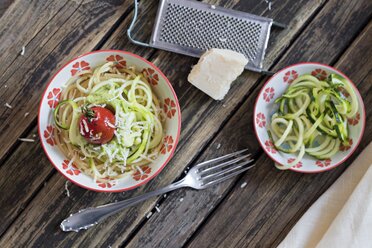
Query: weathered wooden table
(33,199)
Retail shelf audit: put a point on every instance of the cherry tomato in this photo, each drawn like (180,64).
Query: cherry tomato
(96,125)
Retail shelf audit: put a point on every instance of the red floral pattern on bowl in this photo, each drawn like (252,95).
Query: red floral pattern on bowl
(343,92)
(118,60)
(106,184)
(70,168)
(53,97)
(268,94)
(49,136)
(169,107)
(270,146)
(261,120)
(345,147)
(354,121)
(142,175)
(265,107)
(320,74)
(151,76)
(289,76)
(323,163)
(298,165)
(79,67)
(167,144)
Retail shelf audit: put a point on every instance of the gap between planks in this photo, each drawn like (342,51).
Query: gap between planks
(38,32)
(259,81)
(29,129)
(212,137)
(227,119)
(99,45)
(149,53)
(340,54)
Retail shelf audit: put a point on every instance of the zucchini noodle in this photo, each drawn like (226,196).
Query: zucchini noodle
(138,122)
(312,117)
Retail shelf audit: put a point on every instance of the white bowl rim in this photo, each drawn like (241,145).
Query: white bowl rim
(356,91)
(178,121)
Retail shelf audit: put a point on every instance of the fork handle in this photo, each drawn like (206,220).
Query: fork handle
(89,217)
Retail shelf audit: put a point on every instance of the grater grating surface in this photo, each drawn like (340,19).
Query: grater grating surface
(190,28)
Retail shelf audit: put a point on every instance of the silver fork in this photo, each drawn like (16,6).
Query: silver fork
(200,176)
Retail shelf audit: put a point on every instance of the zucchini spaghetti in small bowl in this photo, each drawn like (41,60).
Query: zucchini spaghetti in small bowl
(109,121)
(309,118)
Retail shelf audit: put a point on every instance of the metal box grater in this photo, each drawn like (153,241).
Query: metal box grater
(191,28)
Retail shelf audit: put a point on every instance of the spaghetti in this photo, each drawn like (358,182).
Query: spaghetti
(137,126)
(312,117)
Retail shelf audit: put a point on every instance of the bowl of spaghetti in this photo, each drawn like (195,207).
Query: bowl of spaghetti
(109,121)
(309,118)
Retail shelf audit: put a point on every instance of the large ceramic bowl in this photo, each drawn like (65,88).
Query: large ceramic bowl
(265,108)
(160,85)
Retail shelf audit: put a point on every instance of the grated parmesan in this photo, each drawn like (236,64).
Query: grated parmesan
(243,185)
(218,146)
(23,50)
(269,4)
(26,140)
(26,114)
(108,123)
(157,209)
(85,126)
(66,188)
(148,215)
(8,105)
(181,200)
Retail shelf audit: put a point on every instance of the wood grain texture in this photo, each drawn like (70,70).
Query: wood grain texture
(196,107)
(262,213)
(180,219)
(18,186)
(202,119)
(4,5)
(53,32)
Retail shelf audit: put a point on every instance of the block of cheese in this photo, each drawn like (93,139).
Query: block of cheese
(216,70)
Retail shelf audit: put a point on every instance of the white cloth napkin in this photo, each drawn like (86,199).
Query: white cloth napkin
(342,216)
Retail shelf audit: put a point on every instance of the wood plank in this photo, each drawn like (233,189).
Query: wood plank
(360,72)
(127,221)
(53,33)
(18,185)
(4,5)
(262,213)
(54,223)
(20,178)
(177,221)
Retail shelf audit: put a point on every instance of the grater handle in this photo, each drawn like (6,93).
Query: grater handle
(132,25)
(279,25)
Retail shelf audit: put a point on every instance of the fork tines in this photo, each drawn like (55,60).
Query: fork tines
(225,167)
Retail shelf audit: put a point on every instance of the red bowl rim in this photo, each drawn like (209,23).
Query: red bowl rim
(355,89)
(178,121)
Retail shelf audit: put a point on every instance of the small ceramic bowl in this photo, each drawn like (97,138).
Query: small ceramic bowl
(160,85)
(265,108)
